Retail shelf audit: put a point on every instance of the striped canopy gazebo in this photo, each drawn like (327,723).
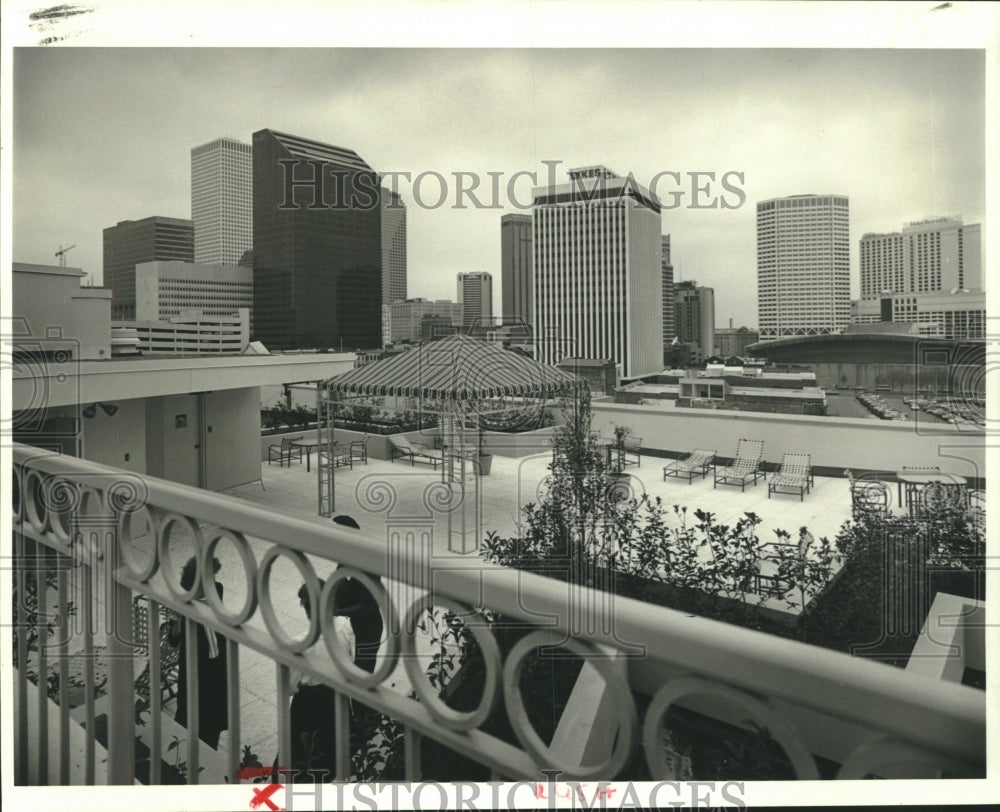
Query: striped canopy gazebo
(469,383)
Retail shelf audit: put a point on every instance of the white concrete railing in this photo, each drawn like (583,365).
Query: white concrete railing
(814,702)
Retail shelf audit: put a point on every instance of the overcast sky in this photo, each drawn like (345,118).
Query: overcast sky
(103,135)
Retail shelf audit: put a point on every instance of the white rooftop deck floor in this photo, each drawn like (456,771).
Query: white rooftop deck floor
(512,483)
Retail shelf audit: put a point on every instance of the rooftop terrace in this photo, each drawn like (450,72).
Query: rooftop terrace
(270,532)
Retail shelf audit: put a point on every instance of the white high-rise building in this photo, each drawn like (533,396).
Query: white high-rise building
(598,271)
(393,247)
(222,201)
(803,266)
(475,295)
(937,254)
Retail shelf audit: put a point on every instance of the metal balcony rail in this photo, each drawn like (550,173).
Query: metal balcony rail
(73,516)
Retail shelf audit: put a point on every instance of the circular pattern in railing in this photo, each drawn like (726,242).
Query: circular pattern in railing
(147,518)
(661,766)
(215,536)
(62,500)
(616,691)
(879,757)
(126,494)
(308,577)
(16,502)
(389,650)
(170,568)
(34,500)
(450,718)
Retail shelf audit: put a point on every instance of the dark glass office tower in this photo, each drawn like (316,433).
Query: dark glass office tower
(131,242)
(317,245)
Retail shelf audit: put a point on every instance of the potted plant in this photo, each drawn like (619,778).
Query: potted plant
(484,460)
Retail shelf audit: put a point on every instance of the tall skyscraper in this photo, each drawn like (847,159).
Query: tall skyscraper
(475,295)
(317,245)
(598,271)
(222,201)
(667,270)
(803,266)
(393,247)
(694,317)
(133,241)
(515,267)
(937,254)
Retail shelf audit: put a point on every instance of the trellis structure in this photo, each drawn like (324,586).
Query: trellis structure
(469,384)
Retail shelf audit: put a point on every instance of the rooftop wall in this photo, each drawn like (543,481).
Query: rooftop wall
(838,443)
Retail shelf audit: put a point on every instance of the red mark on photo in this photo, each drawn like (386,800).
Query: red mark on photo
(263,796)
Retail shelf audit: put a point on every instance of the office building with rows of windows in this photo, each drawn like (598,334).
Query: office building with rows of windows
(667,270)
(475,297)
(222,201)
(515,268)
(694,317)
(598,271)
(132,242)
(167,289)
(803,266)
(393,247)
(414,320)
(317,245)
(937,254)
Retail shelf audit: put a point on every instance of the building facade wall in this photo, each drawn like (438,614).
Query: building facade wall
(165,289)
(598,272)
(404,321)
(734,341)
(667,269)
(803,266)
(222,201)
(516,267)
(132,242)
(50,312)
(475,297)
(694,317)
(317,254)
(939,314)
(393,247)
(934,255)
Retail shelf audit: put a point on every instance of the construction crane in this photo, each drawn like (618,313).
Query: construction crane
(61,253)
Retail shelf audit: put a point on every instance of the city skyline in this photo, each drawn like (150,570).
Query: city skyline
(778,123)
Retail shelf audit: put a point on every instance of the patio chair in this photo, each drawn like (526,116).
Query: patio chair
(285,452)
(401,447)
(359,450)
(340,455)
(793,477)
(867,495)
(697,462)
(631,451)
(744,467)
(170,659)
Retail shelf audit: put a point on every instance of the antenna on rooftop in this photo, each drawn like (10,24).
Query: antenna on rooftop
(61,254)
